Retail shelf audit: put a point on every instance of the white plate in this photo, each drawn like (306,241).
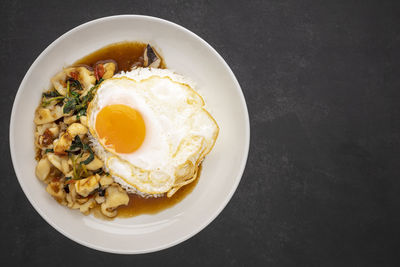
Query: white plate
(188,55)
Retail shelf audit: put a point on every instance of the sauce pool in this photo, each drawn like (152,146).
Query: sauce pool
(125,54)
(138,205)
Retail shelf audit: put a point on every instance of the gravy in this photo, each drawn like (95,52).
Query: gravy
(125,54)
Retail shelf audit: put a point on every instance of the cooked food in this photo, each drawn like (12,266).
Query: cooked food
(102,135)
(151,59)
(151,133)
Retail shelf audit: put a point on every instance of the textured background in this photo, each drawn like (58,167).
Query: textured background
(321,79)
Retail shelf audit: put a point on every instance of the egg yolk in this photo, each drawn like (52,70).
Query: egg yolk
(121,128)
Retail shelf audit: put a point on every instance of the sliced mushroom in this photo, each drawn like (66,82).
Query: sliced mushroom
(99,199)
(70,119)
(43,169)
(77,129)
(84,120)
(74,206)
(71,196)
(45,135)
(66,138)
(59,84)
(85,208)
(56,190)
(54,130)
(115,197)
(82,200)
(109,70)
(151,59)
(43,127)
(46,115)
(62,144)
(60,162)
(86,186)
(106,180)
(63,127)
(95,164)
(83,75)
(46,138)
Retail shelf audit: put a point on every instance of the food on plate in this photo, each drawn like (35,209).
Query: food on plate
(114,129)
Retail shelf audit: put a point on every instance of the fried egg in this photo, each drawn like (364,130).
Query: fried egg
(152,131)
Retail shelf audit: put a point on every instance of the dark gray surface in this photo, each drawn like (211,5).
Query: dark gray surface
(321,79)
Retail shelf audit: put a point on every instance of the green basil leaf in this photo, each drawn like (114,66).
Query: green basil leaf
(91,154)
(75,94)
(76,143)
(70,105)
(74,84)
(51,94)
(81,112)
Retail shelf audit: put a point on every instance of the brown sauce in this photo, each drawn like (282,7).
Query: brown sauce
(138,205)
(125,54)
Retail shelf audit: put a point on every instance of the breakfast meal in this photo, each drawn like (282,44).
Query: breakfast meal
(118,129)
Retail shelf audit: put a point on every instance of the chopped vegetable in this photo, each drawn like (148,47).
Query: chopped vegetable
(47,101)
(74,84)
(99,71)
(91,154)
(75,104)
(63,144)
(49,150)
(70,105)
(66,189)
(51,94)
(81,112)
(76,144)
(102,192)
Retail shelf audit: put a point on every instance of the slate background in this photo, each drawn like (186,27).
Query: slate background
(321,80)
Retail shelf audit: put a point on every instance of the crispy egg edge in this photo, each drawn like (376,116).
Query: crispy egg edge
(202,155)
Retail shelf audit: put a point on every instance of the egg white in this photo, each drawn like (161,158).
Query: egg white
(179,132)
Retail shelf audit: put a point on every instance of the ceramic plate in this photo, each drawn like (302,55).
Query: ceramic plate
(187,54)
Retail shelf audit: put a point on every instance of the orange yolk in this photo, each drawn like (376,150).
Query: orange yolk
(121,128)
